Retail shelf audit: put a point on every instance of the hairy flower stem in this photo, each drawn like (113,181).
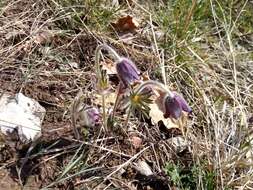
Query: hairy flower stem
(128,116)
(97,57)
(154,84)
(99,74)
(104,112)
(116,102)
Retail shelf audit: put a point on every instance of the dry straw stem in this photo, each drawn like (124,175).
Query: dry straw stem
(118,168)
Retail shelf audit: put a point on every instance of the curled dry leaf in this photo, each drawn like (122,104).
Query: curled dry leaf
(126,24)
(109,67)
(179,143)
(142,167)
(156,115)
(110,99)
(39,38)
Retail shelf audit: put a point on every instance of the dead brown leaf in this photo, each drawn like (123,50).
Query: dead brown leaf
(157,115)
(110,98)
(126,24)
(40,38)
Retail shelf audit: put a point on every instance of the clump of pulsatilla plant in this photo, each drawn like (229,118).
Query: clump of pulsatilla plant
(169,102)
(88,116)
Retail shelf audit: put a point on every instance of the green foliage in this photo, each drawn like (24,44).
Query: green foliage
(174,172)
(100,17)
(78,14)
(139,102)
(188,179)
(179,18)
(184,20)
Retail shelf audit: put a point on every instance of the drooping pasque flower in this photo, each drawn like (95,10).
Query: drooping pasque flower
(172,105)
(127,71)
(90,116)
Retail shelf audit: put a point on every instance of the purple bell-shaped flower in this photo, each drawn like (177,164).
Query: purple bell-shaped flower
(127,71)
(91,117)
(172,106)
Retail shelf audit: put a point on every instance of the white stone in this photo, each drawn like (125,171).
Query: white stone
(23,114)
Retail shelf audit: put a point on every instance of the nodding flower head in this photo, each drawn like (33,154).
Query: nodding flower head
(91,116)
(127,71)
(172,105)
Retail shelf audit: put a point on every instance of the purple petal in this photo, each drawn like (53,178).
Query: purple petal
(250,120)
(183,103)
(172,108)
(92,116)
(127,71)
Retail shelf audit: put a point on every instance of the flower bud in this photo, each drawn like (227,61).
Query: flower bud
(172,107)
(127,71)
(90,117)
